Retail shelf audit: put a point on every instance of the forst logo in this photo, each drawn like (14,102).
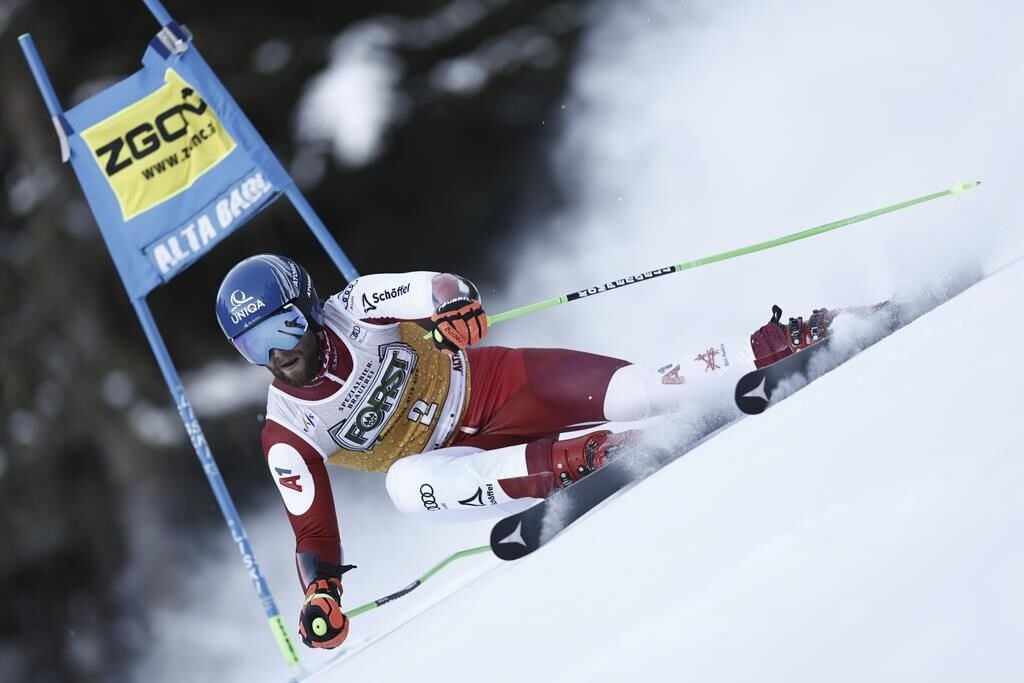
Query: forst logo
(381,402)
(361,428)
(158,146)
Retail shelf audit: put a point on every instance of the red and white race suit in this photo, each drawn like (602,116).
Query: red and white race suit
(446,429)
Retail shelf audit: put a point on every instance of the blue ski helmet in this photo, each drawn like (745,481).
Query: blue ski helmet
(267,302)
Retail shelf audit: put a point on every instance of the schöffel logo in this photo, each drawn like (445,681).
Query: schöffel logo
(168,139)
(368,418)
(242,306)
(392,293)
(474,501)
(477,499)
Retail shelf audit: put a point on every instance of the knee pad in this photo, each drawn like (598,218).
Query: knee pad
(631,394)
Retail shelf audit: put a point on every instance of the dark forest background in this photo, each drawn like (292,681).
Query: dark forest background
(79,489)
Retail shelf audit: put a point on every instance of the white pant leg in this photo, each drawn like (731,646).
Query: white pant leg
(636,392)
(458,484)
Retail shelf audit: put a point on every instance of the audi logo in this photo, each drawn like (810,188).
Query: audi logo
(427,496)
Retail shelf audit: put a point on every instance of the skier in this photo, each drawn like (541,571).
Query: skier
(462,431)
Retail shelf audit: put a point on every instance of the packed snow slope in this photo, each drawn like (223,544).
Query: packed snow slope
(878,539)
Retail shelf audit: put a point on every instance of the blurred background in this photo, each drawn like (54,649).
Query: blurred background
(416,129)
(535,146)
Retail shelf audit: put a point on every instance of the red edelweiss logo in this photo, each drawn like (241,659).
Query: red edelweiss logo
(709,357)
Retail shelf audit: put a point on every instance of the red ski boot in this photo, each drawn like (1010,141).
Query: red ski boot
(774,341)
(574,459)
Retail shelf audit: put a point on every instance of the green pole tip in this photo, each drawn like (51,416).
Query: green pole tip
(961,187)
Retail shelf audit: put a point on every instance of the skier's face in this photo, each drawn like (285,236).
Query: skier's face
(298,366)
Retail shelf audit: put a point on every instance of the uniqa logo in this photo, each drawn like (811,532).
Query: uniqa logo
(242,305)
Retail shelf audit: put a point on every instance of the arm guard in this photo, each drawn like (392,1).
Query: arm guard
(391,297)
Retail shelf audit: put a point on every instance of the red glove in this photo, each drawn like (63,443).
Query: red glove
(321,621)
(457,324)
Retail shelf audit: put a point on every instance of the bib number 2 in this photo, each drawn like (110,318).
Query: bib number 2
(422,412)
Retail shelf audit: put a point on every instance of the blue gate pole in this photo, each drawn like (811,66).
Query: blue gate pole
(220,491)
(159,11)
(35,64)
(182,403)
(321,233)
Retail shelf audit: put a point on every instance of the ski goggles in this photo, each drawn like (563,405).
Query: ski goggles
(282,330)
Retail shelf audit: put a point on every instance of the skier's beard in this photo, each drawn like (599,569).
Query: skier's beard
(299,366)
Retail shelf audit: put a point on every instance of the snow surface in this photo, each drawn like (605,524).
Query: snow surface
(847,534)
(864,529)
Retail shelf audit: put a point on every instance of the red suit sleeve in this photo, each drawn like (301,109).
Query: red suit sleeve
(301,478)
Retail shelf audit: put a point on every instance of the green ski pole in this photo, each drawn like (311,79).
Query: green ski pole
(356,611)
(956,189)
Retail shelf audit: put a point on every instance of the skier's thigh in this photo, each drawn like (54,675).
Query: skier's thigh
(457,484)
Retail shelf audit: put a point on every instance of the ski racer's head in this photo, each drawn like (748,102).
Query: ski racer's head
(268,308)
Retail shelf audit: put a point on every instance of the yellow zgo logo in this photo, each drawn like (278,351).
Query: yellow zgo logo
(158,146)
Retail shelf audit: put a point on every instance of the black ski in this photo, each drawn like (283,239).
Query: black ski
(520,534)
(755,390)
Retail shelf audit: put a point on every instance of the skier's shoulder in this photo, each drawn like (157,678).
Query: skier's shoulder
(347,302)
(289,421)
(342,301)
(282,408)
